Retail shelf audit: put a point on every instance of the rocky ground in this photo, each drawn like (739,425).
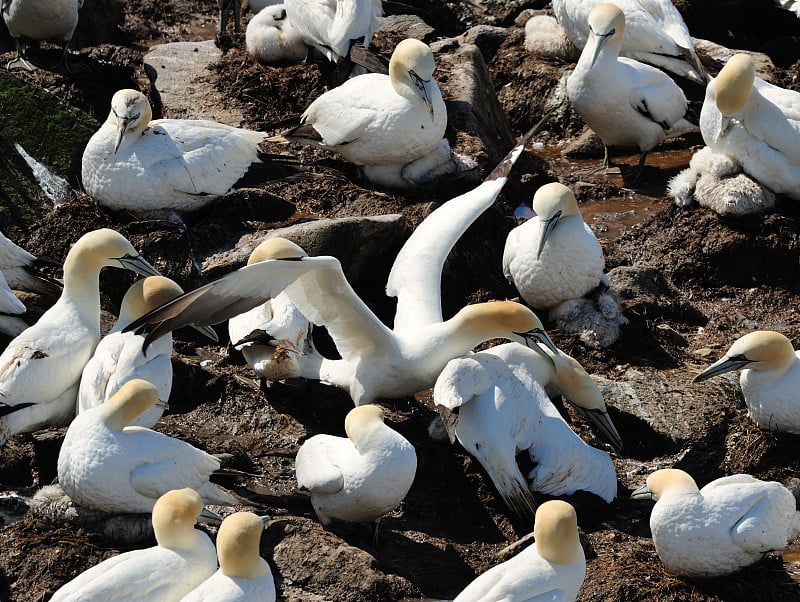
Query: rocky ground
(690,282)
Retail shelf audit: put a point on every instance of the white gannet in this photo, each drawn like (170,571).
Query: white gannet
(137,164)
(41,368)
(727,525)
(20,269)
(552,568)
(182,559)
(756,123)
(390,125)
(274,336)
(357,478)
(243,576)
(770,378)
(503,410)
(376,362)
(270,37)
(655,33)
(625,102)
(37,20)
(790,5)
(10,308)
(107,465)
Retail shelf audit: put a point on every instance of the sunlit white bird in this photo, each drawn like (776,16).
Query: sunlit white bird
(20,269)
(182,559)
(756,123)
(10,308)
(270,37)
(625,102)
(41,368)
(655,33)
(552,568)
(40,20)
(727,525)
(107,465)
(390,125)
(357,478)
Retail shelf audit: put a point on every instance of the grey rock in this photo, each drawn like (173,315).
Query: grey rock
(409,26)
(764,65)
(486,37)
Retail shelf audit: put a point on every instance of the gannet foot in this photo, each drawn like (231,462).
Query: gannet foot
(21,63)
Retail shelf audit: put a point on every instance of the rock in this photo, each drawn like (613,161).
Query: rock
(486,37)
(764,65)
(646,291)
(407,26)
(588,144)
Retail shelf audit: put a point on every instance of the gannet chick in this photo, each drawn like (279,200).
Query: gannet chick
(655,34)
(182,560)
(390,125)
(243,576)
(140,165)
(546,38)
(274,336)
(503,411)
(41,368)
(37,20)
(770,378)
(552,568)
(625,102)
(361,477)
(107,465)
(717,181)
(727,525)
(20,269)
(270,37)
(755,123)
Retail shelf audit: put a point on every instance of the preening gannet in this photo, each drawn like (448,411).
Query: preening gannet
(270,37)
(38,20)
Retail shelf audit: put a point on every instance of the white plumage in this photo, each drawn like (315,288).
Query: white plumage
(40,20)
(727,525)
(270,37)
(17,265)
(9,307)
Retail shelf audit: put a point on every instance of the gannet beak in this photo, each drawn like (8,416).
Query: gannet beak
(545,230)
(723,365)
(208,332)
(162,403)
(209,516)
(122,127)
(423,89)
(265,520)
(600,41)
(539,334)
(137,264)
(642,493)
(602,422)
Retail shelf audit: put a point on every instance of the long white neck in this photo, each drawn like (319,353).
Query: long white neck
(82,289)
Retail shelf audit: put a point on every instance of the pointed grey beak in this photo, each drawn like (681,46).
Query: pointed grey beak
(642,493)
(423,89)
(122,127)
(601,421)
(265,520)
(207,331)
(600,41)
(209,516)
(137,264)
(162,403)
(533,337)
(723,365)
(545,230)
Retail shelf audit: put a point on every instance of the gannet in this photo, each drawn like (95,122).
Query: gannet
(137,164)
(20,269)
(41,368)
(10,308)
(655,33)
(376,362)
(546,38)
(503,411)
(552,568)
(790,5)
(37,20)
(625,102)
(274,336)
(770,378)
(727,525)
(243,576)
(182,559)
(357,478)
(270,37)
(108,465)
(756,123)
(390,125)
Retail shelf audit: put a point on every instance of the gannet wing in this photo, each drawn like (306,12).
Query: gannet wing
(12,255)
(336,118)
(353,20)
(312,19)
(315,468)
(9,304)
(657,98)
(776,124)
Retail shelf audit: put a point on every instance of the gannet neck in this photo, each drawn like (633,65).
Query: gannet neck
(131,400)
(576,384)
(276,248)
(238,546)
(130,114)
(174,516)
(556,532)
(734,84)
(671,481)
(411,70)
(481,322)
(362,424)
(145,295)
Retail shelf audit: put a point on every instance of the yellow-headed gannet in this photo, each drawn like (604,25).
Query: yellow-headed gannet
(37,20)
(552,568)
(270,38)
(357,478)
(182,559)
(625,102)
(503,410)
(655,33)
(41,368)
(727,525)
(243,576)
(756,123)
(770,378)
(390,125)
(107,465)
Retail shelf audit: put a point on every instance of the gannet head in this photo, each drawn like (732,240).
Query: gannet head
(760,350)
(412,65)
(555,529)
(606,26)
(130,112)
(174,517)
(666,481)
(734,84)
(276,248)
(237,546)
(131,400)
(360,423)
(552,202)
(506,319)
(105,248)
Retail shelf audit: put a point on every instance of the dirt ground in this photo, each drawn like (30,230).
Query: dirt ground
(714,279)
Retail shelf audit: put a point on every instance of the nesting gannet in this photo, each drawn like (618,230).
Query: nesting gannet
(770,378)
(37,20)
(41,368)
(727,525)
(503,411)
(357,478)
(274,336)
(756,123)
(270,38)
(625,102)
(108,465)
(552,568)
(390,125)
(655,33)
(376,361)
(243,576)
(182,559)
